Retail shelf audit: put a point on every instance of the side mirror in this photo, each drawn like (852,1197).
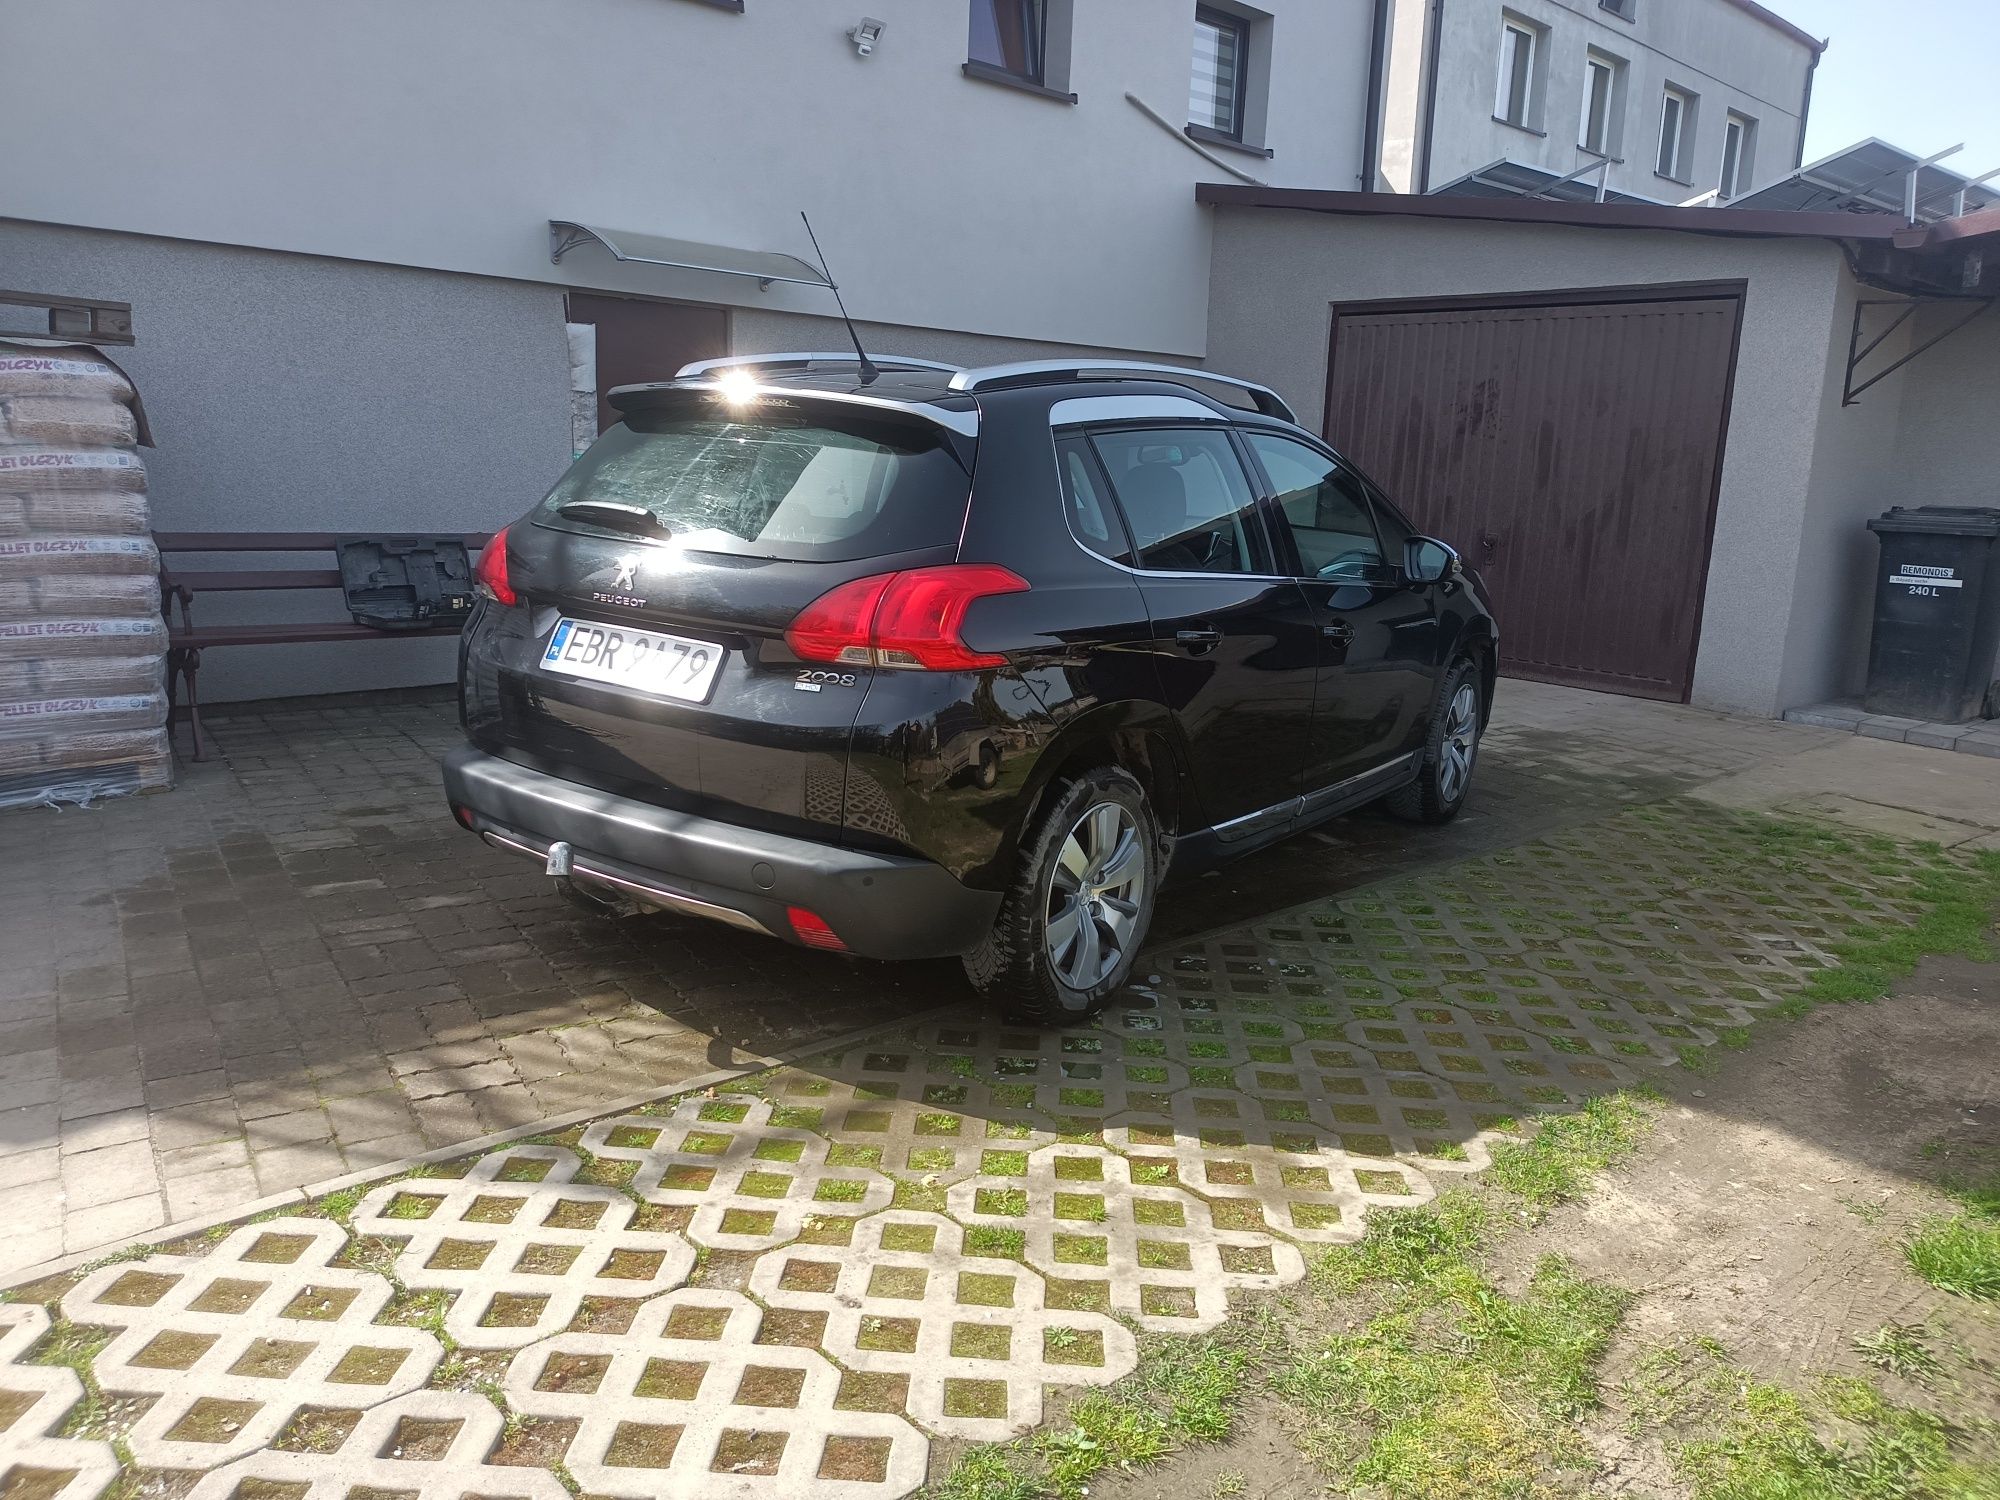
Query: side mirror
(1428,560)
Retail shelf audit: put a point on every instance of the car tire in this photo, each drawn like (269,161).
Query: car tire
(1450,752)
(1073,918)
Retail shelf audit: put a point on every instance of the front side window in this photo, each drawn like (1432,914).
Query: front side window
(1186,500)
(1676,133)
(1326,508)
(1009,35)
(1215,95)
(1739,134)
(1601,104)
(1516,101)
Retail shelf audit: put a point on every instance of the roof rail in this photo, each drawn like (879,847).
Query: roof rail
(1028,372)
(800,361)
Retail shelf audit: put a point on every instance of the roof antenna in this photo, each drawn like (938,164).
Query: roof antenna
(869,374)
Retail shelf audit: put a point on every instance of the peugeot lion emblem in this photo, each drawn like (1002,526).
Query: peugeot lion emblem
(623,582)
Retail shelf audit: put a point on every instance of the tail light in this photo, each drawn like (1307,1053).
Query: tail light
(810,928)
(908,620)
(489,574)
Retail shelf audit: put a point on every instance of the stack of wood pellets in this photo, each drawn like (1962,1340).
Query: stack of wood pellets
(82,645)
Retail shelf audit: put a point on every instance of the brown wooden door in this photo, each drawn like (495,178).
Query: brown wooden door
(639,341)
(1569,450)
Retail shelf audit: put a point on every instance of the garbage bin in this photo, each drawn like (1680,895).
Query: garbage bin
(1937,612)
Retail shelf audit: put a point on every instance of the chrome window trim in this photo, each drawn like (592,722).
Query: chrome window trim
(1073,410)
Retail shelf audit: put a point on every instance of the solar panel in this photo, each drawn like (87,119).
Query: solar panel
(1514,179)
(1871,177)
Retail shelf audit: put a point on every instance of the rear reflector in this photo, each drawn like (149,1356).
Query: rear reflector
(464,816)
(489,574)
(910,620)
(811,929)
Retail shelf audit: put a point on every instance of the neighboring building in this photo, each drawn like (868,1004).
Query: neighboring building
(1680,97)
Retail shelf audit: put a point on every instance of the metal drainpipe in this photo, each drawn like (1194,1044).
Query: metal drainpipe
(1436,44)
(1805,107)
(1371,130)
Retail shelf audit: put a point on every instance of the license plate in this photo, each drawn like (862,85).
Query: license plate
(647,661)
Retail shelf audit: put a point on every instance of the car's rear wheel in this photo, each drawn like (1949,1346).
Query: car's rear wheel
(1451,750)
(1081,900)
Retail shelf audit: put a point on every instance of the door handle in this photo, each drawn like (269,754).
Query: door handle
(1338,630)
(1198,642)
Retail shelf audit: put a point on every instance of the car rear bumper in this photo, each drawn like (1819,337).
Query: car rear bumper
(879,906)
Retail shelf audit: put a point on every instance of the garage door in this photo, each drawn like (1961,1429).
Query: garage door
(1570,450)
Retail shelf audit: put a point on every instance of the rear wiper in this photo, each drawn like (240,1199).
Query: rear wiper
(617,516)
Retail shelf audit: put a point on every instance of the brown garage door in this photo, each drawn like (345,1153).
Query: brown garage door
(1570,449)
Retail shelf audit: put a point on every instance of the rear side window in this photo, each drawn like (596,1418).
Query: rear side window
(792,480)
(1091,517)
(1186,500)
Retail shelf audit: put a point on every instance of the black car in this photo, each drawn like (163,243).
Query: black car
(912,661)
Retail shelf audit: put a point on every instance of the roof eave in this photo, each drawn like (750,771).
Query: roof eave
(1778,23)
(1745,223)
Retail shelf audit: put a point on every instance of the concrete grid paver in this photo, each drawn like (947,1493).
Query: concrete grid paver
(380,1457)
(35,1402)
(939,1225)
(520,1245)
(232,1344)
(1250,1097)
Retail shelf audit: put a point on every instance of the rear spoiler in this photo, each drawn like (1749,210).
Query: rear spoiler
(956,418)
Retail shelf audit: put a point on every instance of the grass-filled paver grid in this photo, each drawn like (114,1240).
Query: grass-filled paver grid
(934,1226)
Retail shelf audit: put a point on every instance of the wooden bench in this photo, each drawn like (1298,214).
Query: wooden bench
(179,587)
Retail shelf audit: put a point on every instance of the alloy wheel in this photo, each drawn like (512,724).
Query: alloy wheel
(1095,892)
(1461,743)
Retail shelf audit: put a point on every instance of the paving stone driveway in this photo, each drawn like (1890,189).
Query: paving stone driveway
(789,1285)
(295,966)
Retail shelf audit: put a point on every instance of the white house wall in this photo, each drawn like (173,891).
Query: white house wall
(293,393)
(1856,473)
(444,134)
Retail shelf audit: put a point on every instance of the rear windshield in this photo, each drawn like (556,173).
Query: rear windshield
(780,480)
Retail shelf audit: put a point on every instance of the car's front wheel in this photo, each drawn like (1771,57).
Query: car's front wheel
(1072,921)
(1451,750)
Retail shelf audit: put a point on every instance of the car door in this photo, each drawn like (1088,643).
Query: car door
(1234,640)
(1377,632)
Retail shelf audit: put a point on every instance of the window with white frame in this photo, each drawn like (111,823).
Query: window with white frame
(1739,149)
(1517,101)
(1603,103)
(1677,107)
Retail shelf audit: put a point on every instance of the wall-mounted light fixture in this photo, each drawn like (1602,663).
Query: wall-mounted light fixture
(866,35)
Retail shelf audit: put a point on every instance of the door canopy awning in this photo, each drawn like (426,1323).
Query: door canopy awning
(764,266)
